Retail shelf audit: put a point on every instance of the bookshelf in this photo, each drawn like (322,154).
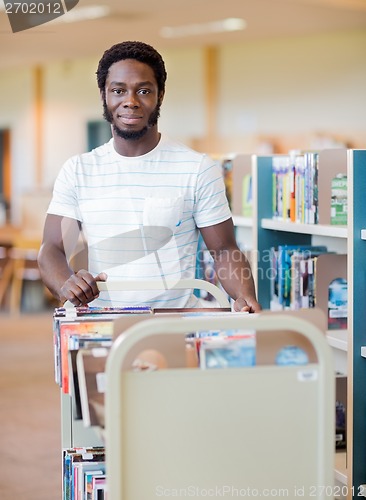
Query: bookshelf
(356,161)
(350,467)
(312,229)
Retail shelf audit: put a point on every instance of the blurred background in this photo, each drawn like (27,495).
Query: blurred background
(244,76)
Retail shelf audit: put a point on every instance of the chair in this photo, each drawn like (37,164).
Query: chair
(6,271)
(23,256)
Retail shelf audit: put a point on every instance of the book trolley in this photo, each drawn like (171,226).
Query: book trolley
(263,430)
(73,432)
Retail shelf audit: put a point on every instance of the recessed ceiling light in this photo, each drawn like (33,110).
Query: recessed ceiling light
(83,14)
(221,26)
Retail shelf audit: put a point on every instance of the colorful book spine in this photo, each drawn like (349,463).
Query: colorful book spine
(285,266)
(292,189)
(300,188)
(295,187)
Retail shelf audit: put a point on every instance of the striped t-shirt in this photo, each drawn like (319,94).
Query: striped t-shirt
(141,215)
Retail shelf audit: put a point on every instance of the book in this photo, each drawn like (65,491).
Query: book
(247,201)
(99,487)
(61,318)
(273,279)
(337,304)
(91,365)
(82,469)
(205,269)
(228,351)
(61,312)
(74,386)
(299,189)
(338,206)
(73,456)
(191,311)
(296,291)
(227,171)
(93,330)
(284,268)
(329,268)
(88,480)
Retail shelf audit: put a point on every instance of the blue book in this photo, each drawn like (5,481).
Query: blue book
(284,268)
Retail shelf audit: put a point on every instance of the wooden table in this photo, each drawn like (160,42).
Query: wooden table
(8,234)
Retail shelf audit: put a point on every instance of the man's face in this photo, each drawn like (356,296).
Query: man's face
(131,102)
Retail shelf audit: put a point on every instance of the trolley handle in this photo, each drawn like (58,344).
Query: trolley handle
(195,284)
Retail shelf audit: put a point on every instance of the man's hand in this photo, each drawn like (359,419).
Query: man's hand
(247,305)
(81,288)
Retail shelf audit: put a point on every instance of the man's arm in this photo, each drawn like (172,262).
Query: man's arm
(60,236)
(231,265)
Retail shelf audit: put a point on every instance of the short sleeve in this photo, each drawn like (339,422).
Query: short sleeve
(64,200)
(211,204)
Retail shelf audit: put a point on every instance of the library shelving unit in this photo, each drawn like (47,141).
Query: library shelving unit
(264,430)
(349,345)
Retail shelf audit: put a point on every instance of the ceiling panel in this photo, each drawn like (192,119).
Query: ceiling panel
(143,20)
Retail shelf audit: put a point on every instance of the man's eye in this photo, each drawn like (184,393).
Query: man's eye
(144,91)
(117,91)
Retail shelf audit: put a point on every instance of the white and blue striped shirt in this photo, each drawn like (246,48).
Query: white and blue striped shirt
(141,215)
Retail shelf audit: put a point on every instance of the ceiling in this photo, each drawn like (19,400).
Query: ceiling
(143,20)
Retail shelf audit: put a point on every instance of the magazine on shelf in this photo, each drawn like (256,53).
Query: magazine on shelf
(80,472)
(99,488)
(74,386)
(227,350)
(71,334)
(91,365)
(61,312)
(74,456)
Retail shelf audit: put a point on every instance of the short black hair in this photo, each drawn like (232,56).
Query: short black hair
(132,50)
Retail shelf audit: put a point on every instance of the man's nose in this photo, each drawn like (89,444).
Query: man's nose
(131,101)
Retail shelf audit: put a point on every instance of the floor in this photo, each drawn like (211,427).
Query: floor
(30,454)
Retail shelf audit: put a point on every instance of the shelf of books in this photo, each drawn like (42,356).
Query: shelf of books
(357,316)
(309,237)
(83,453)
(312,229)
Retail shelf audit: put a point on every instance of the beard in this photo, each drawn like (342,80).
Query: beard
(132,135)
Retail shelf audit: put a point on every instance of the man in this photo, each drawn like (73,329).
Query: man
(140,201)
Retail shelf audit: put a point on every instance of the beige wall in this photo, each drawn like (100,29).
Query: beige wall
(288,90)
(296,88)
(17,114)
(71,99)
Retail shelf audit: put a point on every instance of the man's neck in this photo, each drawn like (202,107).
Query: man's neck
(137,147)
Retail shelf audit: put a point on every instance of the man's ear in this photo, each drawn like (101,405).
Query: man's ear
(102,95)
(161,97)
